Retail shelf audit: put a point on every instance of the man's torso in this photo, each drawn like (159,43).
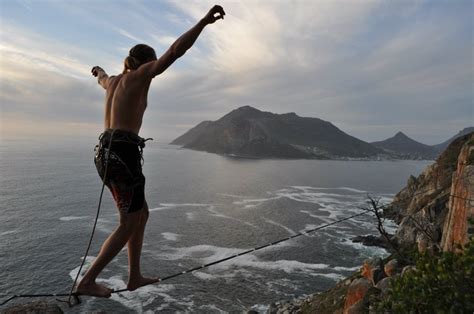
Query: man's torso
(125,102)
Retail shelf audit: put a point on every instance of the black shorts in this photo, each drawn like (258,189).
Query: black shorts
(124,175)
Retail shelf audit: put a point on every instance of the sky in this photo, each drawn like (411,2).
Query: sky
(372,68)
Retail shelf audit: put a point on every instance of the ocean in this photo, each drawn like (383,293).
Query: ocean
(203,207)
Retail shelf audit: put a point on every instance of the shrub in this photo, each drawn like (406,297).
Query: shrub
(441,283)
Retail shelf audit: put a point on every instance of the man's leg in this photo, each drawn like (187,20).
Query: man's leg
(135,244)
(111,247)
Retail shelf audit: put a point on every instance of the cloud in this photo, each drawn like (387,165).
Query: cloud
(371,67)
(358,65)
(44,89)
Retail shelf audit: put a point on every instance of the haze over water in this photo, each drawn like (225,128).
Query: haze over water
(203,207)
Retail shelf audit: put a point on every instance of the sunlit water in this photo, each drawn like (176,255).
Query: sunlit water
(203,207)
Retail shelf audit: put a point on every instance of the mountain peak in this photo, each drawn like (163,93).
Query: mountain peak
(400,143)
(244,112)
(247,109)
(290,114)
(401,135)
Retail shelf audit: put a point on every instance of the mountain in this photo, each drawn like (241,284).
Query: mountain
(442,146)
(403,147)
(406,148)
(249,132)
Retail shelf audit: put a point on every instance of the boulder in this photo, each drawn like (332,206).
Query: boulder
(384,284)
(372,270)
(371,240)
(408,269)
(391,267)
(356,292)
(356,308)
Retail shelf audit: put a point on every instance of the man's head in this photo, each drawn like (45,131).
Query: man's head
(137,56)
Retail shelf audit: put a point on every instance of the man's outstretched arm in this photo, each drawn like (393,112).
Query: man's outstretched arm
(102,77)
(181,45)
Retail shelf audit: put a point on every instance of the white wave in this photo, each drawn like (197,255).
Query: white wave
(170,236)
(320,197)
(302,187)
(161,308)
(190,215)
(333,276)
(276,285)
(142,297)
(135,300)
(9,232)
(206,253)
(324,218)
(290,231)
(211,307)
(351,189)
(385,199)
(287,266)
(69,218)
(249,203)
(232,195)
(251,206)
(184,204)
(342,268)
(225,274)
(209,253)
(165,206)
(390,226)
(260,308)
(213,252)
(367,251)
(204,276)
(87,263)
(158,208)
(308,228)
(215,213)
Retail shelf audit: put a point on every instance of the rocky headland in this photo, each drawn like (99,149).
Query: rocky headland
(435,213)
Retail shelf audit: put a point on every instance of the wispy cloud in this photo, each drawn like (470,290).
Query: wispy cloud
(21,47)
(357,64)
(370,67)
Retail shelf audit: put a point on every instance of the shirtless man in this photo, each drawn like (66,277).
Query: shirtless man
(125,104)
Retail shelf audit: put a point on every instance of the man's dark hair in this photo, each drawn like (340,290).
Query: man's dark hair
(137,56)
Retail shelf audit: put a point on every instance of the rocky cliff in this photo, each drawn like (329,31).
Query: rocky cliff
(422,206)
(456,229)
(433,212)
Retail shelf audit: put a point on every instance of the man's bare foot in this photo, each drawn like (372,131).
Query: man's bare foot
(93,289)
(138,282)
